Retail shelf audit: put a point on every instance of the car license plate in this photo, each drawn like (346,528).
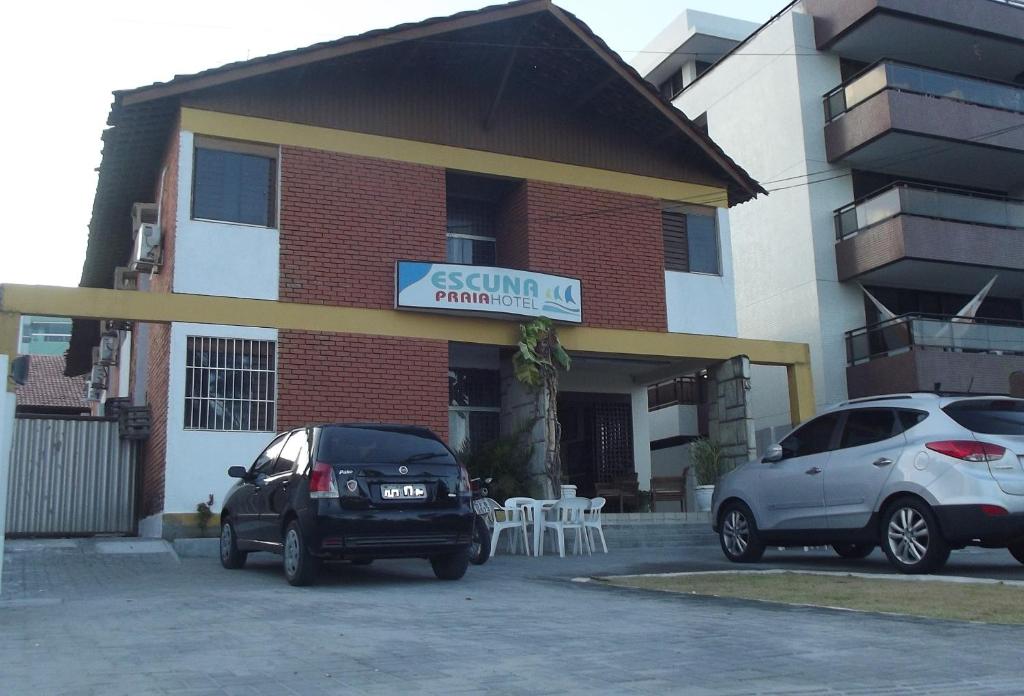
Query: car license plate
(403,491)
(481,507)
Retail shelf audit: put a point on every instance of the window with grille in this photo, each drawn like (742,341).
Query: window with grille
(474,407)
(230,384)
(471,230)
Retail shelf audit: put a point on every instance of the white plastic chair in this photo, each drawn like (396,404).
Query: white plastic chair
(567,514)
(514,520)
(592,523)
(492,505)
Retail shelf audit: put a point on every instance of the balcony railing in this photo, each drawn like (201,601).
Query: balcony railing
(936,202)
(930,331)
(903,77)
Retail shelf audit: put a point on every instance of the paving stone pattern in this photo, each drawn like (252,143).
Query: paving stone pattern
(75,621)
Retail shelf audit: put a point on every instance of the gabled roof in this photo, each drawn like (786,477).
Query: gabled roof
(48,387)
(142,118)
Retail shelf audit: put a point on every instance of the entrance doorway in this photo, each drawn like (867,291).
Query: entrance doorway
(597,439)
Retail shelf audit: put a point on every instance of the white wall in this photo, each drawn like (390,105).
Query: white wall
(701,303)
(198,460)
(672,421)
(765,110)
(217,258)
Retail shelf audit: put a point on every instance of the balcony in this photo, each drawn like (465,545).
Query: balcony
(927,124)
(980,37)
(932,238)
(927,352)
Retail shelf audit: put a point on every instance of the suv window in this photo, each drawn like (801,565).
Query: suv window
(812,438)
(264,463)
(909,418)
(291,452)
(990,416)
(864,426)
(370,445)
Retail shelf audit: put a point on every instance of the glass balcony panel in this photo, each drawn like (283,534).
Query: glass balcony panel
(934,83)
(943,204)
(996,337)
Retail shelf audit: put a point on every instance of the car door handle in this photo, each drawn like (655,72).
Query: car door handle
(813,470)
(882,461)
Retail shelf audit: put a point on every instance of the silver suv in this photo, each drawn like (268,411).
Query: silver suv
(917,474)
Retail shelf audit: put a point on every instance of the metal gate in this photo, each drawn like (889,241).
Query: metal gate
(70,476)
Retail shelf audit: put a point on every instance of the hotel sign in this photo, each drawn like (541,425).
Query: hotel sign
(461,288)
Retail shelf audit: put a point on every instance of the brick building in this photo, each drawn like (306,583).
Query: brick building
(481,168)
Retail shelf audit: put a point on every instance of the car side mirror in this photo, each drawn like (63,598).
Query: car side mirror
(772,454)
(238,472)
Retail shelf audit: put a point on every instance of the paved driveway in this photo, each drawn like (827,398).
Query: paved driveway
(77,622)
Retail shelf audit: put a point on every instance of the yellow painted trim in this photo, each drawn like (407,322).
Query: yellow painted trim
(9,329)
(263,130)
(801,392)
(92,303)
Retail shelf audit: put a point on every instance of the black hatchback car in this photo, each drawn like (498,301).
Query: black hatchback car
(354,492)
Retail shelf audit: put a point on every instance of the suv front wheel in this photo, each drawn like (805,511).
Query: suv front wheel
(737,532)
(911,538)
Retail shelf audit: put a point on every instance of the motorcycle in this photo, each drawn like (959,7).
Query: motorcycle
(480,547)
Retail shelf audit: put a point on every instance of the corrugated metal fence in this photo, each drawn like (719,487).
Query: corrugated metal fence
(70,476)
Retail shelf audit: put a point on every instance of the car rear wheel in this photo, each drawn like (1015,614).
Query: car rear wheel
(300,566)
(911,537)
(230,556)
(738,535)
(853,550)
(451,566)
(1017,551)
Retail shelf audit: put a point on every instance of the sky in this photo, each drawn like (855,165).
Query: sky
(63,59)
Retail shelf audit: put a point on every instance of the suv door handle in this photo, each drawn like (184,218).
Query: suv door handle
(813,470)
(882,461)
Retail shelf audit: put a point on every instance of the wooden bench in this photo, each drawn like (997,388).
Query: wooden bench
(669,489)
(624,488)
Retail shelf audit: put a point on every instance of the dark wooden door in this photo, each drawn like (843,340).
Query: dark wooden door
(597,438)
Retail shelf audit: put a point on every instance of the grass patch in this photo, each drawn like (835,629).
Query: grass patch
(991,603)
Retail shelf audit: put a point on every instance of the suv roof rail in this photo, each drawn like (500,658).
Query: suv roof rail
(884,397)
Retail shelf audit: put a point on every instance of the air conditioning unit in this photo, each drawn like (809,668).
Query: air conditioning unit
(146,254)
(143,213)
(98,377)
(92,393)
(109,344)
(125,278)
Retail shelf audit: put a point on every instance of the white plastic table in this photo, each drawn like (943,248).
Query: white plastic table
(537,509)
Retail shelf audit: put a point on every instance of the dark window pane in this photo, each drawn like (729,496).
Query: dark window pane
(473,387)
(483,428)
(811,438)
(673,232)
(483,253)
(908,418)
(233,187)
(867,426)
(472,217)
(702,240)
(989,416)
(378,445)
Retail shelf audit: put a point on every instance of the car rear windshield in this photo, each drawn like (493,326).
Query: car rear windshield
(991,416)
(367,445)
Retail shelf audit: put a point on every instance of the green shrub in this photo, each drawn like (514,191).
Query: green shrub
(506,460)
(707,457)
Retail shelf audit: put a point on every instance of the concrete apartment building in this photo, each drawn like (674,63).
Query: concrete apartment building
(890,135)
(431,186)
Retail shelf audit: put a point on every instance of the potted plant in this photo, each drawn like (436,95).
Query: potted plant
(708,464)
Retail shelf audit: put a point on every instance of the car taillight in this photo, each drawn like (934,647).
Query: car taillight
(464,477)
(968,450)
(321,481)
(994,511)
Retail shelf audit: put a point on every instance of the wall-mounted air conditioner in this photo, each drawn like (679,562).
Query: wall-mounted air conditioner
(92,393)
(98,377)
(125,278)
(143,213)
(146,248)
(109,344)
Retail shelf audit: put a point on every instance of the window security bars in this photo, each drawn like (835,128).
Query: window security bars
(230,384)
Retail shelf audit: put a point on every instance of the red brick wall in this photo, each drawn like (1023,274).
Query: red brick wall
(158,359)
(610,241)
(345,220)
(344,377)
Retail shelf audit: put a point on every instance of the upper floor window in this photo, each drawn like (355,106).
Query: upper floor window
(671,87)
(234,182)
(471,231)
(690,234)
